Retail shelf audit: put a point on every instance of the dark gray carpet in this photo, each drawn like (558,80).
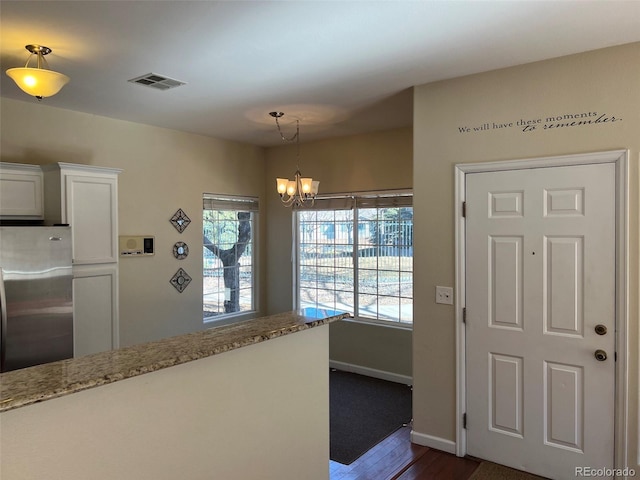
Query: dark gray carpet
(363,412)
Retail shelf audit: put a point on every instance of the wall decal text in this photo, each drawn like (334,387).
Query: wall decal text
(552,122)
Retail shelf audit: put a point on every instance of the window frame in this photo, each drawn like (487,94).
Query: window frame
(235,201)
(340,201)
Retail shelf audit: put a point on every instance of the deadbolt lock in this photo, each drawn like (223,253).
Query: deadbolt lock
(601,329)
(600,355)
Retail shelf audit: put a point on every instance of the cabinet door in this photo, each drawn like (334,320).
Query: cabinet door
(92,211)
(21,191)
(95,309)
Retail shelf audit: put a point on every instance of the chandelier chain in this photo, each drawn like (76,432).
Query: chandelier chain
(294,138)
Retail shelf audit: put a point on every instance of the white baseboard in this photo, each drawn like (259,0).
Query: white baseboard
(371,372)
(433,442)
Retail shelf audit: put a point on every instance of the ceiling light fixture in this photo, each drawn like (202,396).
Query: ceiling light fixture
(39,82)
(301,190)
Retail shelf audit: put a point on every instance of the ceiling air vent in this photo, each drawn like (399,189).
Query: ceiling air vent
(159,82)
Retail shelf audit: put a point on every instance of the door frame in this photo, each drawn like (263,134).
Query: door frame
(620,159)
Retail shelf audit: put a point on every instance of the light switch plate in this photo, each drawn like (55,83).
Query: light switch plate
(444,295)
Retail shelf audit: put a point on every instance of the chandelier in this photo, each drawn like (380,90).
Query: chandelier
(39,81)
(301,190)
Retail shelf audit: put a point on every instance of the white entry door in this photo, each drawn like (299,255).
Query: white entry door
(540,318)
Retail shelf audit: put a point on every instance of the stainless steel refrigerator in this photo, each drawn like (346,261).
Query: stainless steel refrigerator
(36,295)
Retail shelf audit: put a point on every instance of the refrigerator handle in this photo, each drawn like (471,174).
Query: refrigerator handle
(3,322)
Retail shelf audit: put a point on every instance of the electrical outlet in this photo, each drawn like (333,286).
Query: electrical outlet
(444,295)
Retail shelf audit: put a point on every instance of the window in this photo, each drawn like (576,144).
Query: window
(228,256)
(356,254)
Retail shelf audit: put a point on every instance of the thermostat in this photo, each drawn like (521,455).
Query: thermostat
(131,246)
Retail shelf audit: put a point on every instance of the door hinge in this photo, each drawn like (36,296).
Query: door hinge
(464,420)
(464,209)
(464,315)
(615,356)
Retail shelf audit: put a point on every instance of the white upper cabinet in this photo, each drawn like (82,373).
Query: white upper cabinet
(86,198)
(21,191)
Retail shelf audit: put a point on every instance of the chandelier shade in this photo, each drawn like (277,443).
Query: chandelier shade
(39,82)
(301,190)
(305,185)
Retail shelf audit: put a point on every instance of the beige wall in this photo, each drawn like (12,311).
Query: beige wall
(163,170)
(376,161)
(369,349)
(604,81)
(259,412)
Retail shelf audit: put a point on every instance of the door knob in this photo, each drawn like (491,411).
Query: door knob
(600,355)
(601,329)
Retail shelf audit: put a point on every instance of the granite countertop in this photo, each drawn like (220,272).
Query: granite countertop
(43,382)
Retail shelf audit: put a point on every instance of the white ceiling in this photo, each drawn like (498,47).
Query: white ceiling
(340,67)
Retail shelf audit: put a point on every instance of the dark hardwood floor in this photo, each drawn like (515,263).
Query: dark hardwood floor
(396,458)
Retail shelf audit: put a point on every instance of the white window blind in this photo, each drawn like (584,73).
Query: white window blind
(242,204)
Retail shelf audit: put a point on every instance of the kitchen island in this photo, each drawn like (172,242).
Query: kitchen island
(248,400)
